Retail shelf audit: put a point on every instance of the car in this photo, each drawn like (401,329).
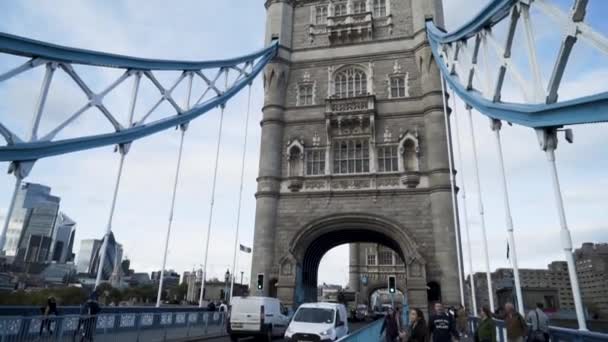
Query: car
(318,322)
(361,312)
(258,317)
(380,312)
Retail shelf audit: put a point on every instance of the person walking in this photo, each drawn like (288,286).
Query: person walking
(486,331)
(462,322)
(391,325)
(540,324)
(516,326)
(417,331)
(50,308)
(88,318)
(441,325)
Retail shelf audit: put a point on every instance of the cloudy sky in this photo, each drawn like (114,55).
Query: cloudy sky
(199,30)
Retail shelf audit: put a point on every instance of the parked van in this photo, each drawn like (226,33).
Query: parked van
(258,317)
(318,322)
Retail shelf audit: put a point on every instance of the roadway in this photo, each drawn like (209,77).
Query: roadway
(352,325)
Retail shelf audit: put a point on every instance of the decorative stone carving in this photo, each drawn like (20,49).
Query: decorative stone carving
(415,269)
(287,268)
(387,182)
(295,183)
(316,139)
(411,179)
(320,184)
(397,69)
(388,136)
(347,184)
(306,77)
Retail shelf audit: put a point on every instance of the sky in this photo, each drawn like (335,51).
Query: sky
(201,30)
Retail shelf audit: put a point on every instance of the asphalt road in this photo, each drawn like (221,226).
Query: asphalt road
(353,327)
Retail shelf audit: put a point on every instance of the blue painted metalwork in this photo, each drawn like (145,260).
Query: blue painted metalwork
(125,326)
(588,109)
(31,151)
(366,334)
(26,47)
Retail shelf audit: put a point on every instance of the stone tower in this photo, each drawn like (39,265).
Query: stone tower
(353,147)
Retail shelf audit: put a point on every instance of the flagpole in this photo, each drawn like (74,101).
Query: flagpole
(238,211)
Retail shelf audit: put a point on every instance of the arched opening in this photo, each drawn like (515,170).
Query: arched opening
(321,245)
(315,239)
(433,292)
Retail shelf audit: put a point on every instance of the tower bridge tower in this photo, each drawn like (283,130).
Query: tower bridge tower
(353,150)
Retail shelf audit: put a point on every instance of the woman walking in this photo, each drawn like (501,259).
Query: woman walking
(418,331)
(486,331)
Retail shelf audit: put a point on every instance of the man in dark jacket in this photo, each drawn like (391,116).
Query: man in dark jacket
(442,326)
(391,325)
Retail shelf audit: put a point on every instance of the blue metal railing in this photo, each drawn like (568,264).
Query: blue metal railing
(367,334)
(146,326)
(555,333)
(371,333)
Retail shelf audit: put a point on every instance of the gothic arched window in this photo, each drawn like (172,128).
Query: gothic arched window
(340,9)
(351,82)
(379,8)
(359,6)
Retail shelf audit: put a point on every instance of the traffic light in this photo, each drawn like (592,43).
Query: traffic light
(392,284)
(260,281)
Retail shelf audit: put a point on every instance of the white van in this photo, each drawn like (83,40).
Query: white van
(318,322)
(262,317)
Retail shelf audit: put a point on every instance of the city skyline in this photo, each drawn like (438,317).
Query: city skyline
(149,166)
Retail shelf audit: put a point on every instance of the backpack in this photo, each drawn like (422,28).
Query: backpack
(94,308)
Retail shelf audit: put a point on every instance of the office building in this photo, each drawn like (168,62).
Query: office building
(63,239)
(90,253)
(32,223)
(592,270)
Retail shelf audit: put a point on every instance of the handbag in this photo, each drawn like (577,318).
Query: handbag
(537,335)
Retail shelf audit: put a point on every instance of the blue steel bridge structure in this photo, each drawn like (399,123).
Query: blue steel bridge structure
(473,61)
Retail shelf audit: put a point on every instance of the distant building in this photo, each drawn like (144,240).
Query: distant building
(63,239)
(58,273)
(88,248)
(549,286)
(90,252)
(193,279)
(138,279)
(592,270)
(171,278)
(31,227)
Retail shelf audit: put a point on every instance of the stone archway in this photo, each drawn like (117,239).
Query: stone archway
(299,267)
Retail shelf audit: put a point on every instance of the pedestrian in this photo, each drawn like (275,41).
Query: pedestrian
(486,330)
(462,322)
(442,326)
(540,324)
(516,326)
(211,306)
(50,308)
(391,325)
(88,318)
(223,307)
(417,331)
